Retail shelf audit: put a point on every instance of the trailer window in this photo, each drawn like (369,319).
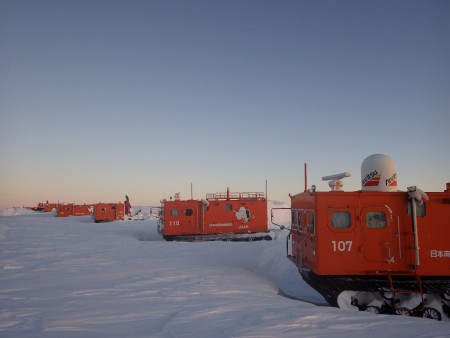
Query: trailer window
(376,219)
(341,220)
(188,212)
(174,212)
(310,222)
(296,219)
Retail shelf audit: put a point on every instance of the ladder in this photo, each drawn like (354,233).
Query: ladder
(405,284)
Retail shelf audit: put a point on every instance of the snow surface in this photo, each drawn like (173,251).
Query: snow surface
(71,277)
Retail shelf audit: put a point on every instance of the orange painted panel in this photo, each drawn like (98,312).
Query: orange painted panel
(105,212)
(220,213)
(365,233)
(71,209)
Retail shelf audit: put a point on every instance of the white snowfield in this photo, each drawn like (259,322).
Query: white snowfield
(71,277)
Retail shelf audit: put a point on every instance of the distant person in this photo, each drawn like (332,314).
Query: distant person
(127,206)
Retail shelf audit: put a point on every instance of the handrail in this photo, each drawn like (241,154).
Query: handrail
(415,234)
(288,237)
(235,196)
(272,217)
(399,238)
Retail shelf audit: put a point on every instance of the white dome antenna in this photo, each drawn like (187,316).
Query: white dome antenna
(379,173)
(335,181)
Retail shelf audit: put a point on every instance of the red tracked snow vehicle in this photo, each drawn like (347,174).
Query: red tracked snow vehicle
(44,207)
(377,249)
(221,216)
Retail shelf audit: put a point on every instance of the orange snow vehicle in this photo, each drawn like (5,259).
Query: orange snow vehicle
(44,207)
(71,209)
(107,212)
(221,216)
(377,249)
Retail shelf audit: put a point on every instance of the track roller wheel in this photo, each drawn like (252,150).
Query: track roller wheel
(388,295)
(373,309)
(402,311)
(445,295)
(431,313)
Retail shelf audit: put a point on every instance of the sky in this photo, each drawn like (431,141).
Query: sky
(99,99)
(66,277)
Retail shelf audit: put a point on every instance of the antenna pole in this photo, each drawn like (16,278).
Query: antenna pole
(306,178)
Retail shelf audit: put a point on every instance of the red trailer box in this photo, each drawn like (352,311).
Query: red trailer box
(83,209)
(71,209)
(107,212)
(64,210)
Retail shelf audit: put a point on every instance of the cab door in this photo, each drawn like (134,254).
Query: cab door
(182,218)
(378,243)
(190,217)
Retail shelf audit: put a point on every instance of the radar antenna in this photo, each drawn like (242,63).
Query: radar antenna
(335,181)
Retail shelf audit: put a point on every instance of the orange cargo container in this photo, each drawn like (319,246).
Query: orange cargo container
(107,212)
(71,209)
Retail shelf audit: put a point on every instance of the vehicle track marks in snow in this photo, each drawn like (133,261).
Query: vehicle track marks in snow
(317,303)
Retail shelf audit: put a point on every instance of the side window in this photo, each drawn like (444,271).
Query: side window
(188,212)
(341,220)
(174,212)
(376,219)
(420,209)
(228,207)
(310,222)
(296,219)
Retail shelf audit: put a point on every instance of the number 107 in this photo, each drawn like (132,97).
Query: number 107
(342,245)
